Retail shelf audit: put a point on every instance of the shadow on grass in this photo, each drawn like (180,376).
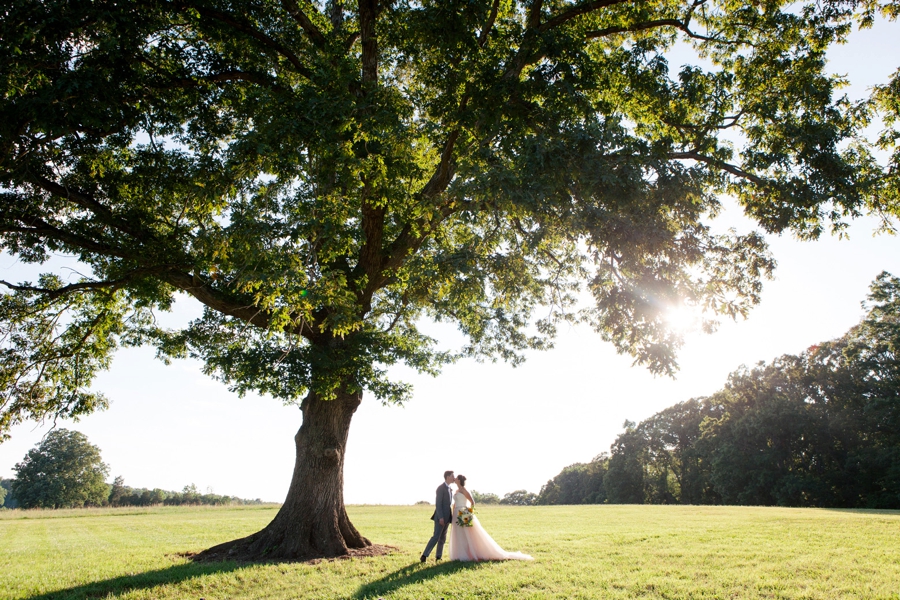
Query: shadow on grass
(866,511)
(411,575)
(139,581)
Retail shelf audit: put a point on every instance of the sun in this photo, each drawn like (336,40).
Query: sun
(683,318)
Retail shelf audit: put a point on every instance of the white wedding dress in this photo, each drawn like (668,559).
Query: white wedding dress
(474,543)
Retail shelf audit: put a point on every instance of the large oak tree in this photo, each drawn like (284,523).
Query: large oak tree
(322,176)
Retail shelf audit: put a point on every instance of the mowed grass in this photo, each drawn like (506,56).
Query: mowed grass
(580,552)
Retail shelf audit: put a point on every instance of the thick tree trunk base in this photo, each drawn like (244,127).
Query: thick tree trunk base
(312,523)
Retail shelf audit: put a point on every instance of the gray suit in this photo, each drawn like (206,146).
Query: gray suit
(441,511)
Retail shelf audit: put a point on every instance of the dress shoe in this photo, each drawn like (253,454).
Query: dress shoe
(422,558)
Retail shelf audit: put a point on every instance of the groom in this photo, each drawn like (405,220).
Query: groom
(441,517)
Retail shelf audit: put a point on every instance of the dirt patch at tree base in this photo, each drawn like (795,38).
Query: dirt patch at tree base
(218,554)
(367,552)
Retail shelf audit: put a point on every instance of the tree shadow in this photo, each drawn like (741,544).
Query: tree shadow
(865,511)
(411,575)
(140,581)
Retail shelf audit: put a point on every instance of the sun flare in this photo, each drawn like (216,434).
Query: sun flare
(683,319)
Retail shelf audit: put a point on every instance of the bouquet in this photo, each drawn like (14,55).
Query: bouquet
(465,517)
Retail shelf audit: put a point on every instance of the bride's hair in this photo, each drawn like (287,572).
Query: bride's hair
(462,480)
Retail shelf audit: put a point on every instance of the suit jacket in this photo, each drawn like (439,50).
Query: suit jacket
(442,504)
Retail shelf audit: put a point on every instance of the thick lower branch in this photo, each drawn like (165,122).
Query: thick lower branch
(729,168)
(216,300)
(227,305)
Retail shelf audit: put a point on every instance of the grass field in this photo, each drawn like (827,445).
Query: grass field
(580,552)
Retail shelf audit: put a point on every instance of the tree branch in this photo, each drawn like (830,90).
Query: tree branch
(367,12)
(259,36)
(486,30)
(526,52)
(308,26)
(533,20)
(41,228)
(724,166)
(727,122)
(444,171)
(407,242)
(370,254)
(215,299)
(576,11)
(75,287)
(228,305)
(225,76)
(676,23)
(85,201)
(336,14)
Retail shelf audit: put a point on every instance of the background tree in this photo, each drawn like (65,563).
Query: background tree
(624,480)
(580,483)
(117,491)
(519,498)
(323,175)
(815,429)
(63,471)
(485,498)
(658,460)
(871,394)
(9,500)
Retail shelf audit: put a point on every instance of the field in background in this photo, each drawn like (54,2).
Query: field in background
(580,552)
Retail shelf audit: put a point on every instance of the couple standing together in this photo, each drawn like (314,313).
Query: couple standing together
(468,539)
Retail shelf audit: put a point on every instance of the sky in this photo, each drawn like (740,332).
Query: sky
(504,428)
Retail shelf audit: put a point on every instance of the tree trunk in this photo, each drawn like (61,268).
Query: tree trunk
(312,522)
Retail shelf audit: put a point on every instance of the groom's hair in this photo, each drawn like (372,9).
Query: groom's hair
(448,474)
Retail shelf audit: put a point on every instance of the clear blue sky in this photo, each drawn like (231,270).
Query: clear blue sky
(504,428)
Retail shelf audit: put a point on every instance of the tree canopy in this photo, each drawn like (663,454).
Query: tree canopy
(314,173)
(322,176)
(63,471)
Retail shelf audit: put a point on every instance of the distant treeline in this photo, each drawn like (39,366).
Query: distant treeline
(123,495)
(516,498)
(817,429)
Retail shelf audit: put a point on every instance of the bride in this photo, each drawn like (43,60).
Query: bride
(473,542)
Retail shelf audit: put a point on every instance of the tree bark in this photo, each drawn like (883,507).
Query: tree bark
(312,522)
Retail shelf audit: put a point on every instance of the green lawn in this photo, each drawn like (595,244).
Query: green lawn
(580,552)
